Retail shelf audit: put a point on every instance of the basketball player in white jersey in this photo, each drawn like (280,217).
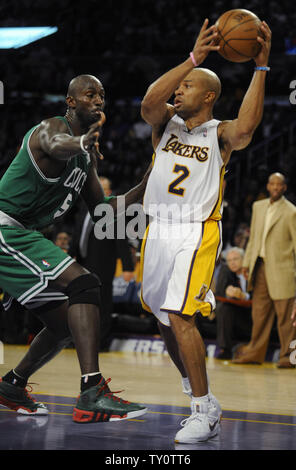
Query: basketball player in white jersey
(183,197)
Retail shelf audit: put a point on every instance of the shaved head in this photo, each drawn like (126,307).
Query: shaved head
(81,82)
(85,100)
(209,80)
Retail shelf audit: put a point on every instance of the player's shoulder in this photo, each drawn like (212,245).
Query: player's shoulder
(55,123)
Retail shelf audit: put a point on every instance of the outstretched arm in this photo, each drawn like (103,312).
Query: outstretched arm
(93,193)
(56,143)
(237,134)
(155,110)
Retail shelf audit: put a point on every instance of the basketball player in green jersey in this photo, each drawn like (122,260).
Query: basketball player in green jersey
(56,163)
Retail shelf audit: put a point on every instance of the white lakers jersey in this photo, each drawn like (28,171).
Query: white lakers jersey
(185,184)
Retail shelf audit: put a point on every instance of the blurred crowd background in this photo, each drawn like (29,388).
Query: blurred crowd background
(127,45)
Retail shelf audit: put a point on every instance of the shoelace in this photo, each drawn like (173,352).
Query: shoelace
(192,417)
(29,389)
(111,394)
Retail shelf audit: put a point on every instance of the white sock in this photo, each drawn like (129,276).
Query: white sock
(85,376)
(200,404)
(186,384)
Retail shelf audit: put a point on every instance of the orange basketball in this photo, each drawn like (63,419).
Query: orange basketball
(237,35)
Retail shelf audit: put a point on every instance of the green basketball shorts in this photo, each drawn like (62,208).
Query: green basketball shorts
(28,262)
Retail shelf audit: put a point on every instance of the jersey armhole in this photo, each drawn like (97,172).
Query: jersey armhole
(34,163)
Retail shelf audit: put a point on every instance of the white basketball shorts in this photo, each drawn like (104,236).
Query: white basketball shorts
(177,267)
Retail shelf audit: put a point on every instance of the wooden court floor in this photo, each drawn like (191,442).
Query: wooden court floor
(258,403)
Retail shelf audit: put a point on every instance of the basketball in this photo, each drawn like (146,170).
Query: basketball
(237,35)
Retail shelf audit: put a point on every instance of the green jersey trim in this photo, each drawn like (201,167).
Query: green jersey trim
(44,277)
(48,180)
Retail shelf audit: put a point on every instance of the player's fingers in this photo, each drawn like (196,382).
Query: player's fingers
(204,26)
(102,119)
(210,37)
(208,32)
(266,26)
(266,31)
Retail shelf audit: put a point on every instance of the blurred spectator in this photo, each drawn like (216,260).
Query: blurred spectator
(62,239)
(99,256)
(233,311)
(269,264)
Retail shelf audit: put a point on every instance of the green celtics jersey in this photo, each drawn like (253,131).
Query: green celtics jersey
(31,198)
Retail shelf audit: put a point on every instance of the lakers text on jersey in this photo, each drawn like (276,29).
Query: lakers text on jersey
(185,184)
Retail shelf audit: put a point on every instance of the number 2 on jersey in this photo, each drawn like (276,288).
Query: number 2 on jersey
(173,187)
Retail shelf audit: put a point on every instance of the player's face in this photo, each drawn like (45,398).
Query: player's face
(90,101)
(276,187)
(189,97)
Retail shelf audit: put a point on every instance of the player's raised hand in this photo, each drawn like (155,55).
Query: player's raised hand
(262,58)
(205,42)
(91,139)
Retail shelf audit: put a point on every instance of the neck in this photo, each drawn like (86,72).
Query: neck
(198,120)
(275,200)
(76,126)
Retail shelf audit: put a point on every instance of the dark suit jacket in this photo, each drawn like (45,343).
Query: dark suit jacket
(226,278)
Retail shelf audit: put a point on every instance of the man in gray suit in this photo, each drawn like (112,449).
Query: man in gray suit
(269,265)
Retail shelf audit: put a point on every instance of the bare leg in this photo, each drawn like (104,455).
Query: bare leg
(48,343)
(172,347)
(192,352)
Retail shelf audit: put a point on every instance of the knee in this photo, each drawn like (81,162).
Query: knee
(84,289)
(181,324)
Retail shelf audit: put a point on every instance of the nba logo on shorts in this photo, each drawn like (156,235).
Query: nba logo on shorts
(1,93)
(45,263)
(1,353)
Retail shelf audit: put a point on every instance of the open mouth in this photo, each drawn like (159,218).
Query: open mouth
(177,103)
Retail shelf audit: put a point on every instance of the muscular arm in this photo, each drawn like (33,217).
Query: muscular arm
(154,109)
(237,134)
(54,140)
(93,193)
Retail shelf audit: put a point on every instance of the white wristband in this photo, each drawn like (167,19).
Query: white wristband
(81,144)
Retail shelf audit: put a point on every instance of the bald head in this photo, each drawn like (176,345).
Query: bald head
(82,82)
(209,80)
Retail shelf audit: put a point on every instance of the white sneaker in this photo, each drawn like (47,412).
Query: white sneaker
(187,390)
(199,427)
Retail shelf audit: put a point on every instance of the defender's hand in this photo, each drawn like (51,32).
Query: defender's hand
(91,139)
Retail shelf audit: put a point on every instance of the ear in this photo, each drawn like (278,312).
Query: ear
(210,97)
(71,102)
